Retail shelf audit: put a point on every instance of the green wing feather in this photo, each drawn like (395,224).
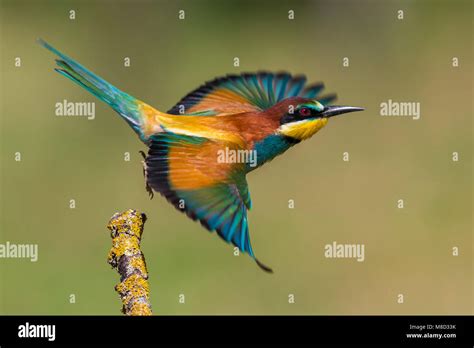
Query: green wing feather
(220,207)
(248,92)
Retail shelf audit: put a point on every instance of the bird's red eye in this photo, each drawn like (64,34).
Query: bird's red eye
(305,112)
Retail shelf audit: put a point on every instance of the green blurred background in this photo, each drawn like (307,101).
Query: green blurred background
(407,251)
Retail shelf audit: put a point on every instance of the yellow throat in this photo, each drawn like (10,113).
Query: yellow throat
(304,129)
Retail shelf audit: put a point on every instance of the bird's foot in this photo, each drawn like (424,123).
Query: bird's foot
(149,190)
(147,187)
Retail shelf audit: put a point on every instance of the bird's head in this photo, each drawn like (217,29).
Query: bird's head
(302,118)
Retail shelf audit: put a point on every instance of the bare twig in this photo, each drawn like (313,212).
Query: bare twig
(126,257)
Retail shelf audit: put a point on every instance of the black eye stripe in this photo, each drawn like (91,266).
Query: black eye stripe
(299,113)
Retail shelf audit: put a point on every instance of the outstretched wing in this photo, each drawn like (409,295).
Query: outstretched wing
(234,94)
(187,171)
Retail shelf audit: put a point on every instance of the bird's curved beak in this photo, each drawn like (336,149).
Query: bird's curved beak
(334,110)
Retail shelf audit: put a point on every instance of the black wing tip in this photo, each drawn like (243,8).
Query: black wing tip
(327,98)
(260,72)
(264,267)
(299,77)
(318,85)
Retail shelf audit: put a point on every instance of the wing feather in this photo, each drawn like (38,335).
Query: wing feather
(247,92)
(182,169)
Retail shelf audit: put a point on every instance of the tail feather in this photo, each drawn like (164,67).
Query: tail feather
(67,71)
(126,105)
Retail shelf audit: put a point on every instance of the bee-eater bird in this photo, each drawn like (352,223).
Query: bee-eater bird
(195,150)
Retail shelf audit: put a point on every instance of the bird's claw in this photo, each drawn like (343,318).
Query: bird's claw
(147,187)
(149,190)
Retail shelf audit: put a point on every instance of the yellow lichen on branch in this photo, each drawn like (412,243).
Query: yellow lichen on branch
(126,257)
